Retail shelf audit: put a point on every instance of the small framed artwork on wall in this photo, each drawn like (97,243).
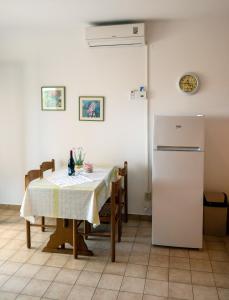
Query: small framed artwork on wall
(91,108)
(53,98)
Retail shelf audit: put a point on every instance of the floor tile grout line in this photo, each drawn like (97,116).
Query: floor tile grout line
(75,281)
(147,267)
(211,260)
(33,295)
(189,259)
(11,275)
(89,271)
(213,274)
(22,288)
(127,262)
(191,279)
(96,285)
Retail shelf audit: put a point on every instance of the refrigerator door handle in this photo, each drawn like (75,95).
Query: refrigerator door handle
(178,148)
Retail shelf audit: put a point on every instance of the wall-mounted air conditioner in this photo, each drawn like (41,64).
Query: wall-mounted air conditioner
(116,35)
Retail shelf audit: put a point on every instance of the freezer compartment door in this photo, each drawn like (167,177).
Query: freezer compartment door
(179,131)
(177,204)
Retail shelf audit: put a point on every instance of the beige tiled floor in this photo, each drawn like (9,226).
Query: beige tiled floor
(142,271)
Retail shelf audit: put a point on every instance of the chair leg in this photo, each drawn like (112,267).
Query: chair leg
(28,234)
(125,213)
(75,239)
(113,225)
(42,223)
(113,250)
(119,228)
(119,221)
(87,229)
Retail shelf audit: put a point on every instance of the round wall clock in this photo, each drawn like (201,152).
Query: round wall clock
(189,83)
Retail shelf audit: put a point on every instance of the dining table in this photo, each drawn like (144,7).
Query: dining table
(70,200)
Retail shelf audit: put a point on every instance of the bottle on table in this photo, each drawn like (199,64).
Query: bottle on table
(71,165)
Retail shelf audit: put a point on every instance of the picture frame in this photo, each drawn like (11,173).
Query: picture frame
(91,108)
(53,98)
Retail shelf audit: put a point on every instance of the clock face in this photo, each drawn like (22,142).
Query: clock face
(188,83)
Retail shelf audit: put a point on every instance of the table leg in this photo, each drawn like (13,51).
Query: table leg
(28,234)
(75,239)
(43,224)
(64,234)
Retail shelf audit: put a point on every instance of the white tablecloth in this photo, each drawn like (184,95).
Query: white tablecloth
(76,201)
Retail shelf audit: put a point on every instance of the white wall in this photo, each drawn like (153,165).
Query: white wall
(201,47)
(11,131)
(61,58)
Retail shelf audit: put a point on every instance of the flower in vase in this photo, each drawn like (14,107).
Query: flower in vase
(79,156)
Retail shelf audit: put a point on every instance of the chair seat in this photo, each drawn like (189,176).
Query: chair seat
(122,201)
(105,210)
(105,213)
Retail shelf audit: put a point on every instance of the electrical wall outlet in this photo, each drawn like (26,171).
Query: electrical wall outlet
(138,94)
(148,210)
(147,196)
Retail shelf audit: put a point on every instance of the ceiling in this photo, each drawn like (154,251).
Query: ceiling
(70,13)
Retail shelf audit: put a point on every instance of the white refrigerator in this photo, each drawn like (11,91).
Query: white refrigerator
(177,174)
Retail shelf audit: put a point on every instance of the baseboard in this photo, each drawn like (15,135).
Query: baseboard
(131,216)
(140,217)
(10,206)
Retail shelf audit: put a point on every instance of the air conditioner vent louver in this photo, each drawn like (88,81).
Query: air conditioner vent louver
(116,35)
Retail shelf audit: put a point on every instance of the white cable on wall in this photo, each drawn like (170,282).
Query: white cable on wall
(147,119)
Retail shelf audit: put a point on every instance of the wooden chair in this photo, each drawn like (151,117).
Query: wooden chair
(124,173)
(30,176)
(124,198)
(45,166)
(111,214)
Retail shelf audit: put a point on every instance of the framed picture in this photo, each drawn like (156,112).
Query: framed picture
(53,98)
(91,108)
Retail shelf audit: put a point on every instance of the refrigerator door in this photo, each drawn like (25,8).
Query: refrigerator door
(179,131)
(177,203)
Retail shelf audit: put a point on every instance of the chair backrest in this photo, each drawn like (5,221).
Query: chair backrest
(124,173)
(31,175)
(47,165)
